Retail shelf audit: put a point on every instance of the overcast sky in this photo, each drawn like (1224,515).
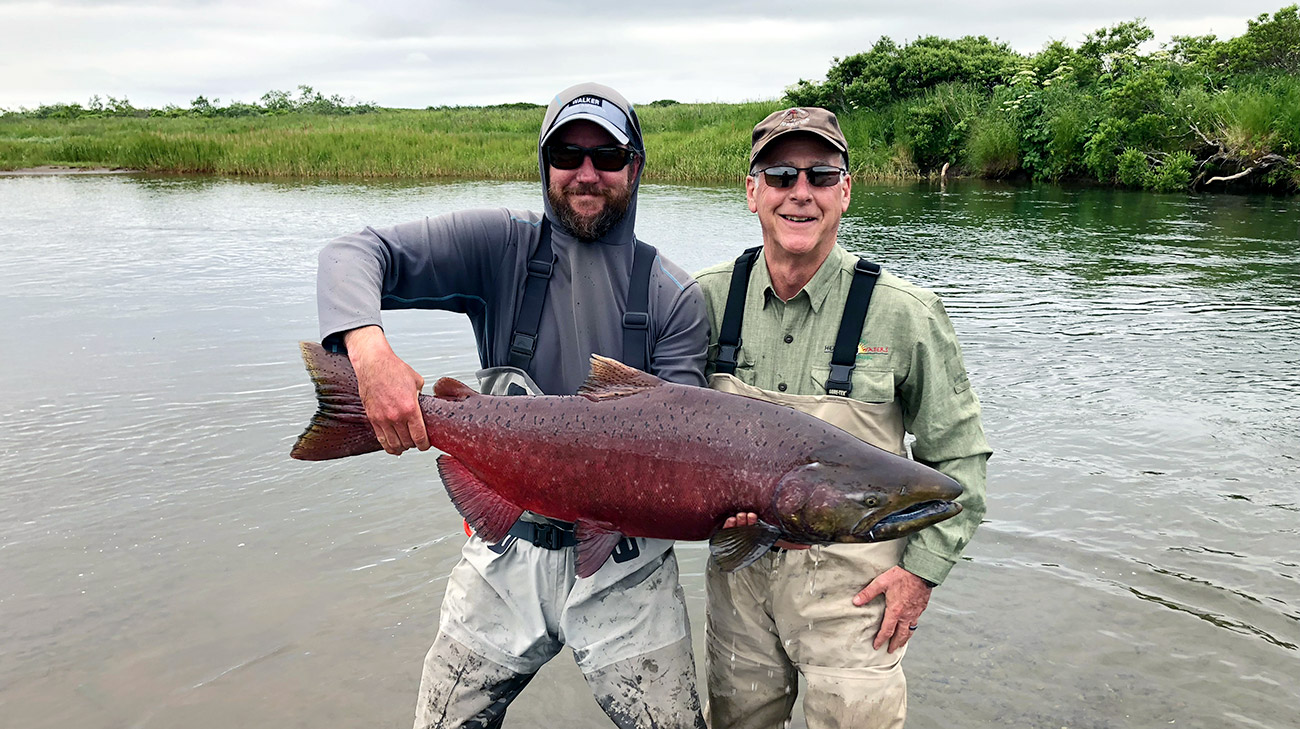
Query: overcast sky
(413,54)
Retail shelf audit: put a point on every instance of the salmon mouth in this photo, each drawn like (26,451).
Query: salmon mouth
(908,521)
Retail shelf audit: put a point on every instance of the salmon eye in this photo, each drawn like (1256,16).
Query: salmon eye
(871,501)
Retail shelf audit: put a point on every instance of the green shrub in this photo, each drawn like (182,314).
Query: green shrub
(936,126)
(1132,168)
(1101,152)
(1174,172)
(889,72)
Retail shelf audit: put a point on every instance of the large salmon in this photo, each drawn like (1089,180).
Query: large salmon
(634,455)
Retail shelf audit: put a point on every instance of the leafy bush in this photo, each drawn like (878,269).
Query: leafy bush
(889,72)
(937,125)
(1132,168)
(1232,105)
(1174,172)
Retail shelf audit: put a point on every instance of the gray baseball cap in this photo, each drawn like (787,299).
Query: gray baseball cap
(599,110)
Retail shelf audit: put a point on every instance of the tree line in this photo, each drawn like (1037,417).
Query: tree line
(307,101)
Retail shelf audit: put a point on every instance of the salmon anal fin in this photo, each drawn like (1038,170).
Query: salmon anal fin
(490,515)
(596,541)
(447,388)
(610,378)
(739,546)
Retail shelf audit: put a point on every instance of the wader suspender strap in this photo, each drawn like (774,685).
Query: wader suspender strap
(734,315)
(523,341)
(636,321)
(845,355)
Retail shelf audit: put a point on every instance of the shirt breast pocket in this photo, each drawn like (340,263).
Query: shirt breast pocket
(876,386)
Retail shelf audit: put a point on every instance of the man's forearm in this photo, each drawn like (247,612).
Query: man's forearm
(931,553)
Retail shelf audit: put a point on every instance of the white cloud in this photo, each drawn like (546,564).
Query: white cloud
(414,54)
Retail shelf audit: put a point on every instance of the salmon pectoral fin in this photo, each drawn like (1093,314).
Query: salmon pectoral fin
(739,546)
(596,541)
(488,513)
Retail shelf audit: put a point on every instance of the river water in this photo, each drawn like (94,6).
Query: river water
(163,562)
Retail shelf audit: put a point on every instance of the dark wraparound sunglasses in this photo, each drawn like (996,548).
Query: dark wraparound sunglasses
(610,158)
(786,176)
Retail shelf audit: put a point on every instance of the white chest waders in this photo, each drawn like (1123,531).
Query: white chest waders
(510,607)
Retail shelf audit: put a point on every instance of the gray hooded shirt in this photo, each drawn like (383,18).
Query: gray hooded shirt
(475,262)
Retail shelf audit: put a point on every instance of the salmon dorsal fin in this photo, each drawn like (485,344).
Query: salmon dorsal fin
(610,378)
(447,388)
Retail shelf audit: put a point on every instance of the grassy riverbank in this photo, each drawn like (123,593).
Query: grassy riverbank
(984,134)
(685,142)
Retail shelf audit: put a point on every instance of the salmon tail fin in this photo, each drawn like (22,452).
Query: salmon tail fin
(340,427)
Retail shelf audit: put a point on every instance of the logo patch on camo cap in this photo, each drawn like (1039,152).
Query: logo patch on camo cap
(794,118)
(812,119)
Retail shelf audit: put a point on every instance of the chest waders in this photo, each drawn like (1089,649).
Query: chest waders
(791,612)
(514,379)
(509,609)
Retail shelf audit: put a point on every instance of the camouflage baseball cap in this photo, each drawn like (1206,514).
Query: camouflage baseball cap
(810,119)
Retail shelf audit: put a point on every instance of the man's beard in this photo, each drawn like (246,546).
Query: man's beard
(588,229)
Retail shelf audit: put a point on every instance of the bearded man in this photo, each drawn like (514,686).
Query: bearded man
(543,293)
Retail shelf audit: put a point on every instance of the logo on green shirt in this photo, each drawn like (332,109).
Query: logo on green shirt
(865,351)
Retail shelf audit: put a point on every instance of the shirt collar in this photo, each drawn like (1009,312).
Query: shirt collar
(817,289)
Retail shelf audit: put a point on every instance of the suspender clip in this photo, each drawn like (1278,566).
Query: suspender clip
(840,382)
(728,355)
(523,345)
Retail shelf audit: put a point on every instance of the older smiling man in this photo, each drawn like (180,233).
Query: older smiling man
(543,293)
(802,322)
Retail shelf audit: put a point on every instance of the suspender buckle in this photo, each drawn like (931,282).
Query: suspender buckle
(636,320)
(865,266)
(523,344)
(728,355)
(539,268)
(840,382)
(547,536)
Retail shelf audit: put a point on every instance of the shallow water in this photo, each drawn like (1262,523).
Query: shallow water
(163,563)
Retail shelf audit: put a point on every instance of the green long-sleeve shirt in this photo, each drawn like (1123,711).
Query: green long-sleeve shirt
(908,351)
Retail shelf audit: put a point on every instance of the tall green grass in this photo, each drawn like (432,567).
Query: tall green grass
(1048,133)
(686,142)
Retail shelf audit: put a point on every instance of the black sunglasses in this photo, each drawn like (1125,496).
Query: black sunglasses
(610,158)
(786,176)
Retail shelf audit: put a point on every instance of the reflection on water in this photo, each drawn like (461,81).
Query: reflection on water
(163,563)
